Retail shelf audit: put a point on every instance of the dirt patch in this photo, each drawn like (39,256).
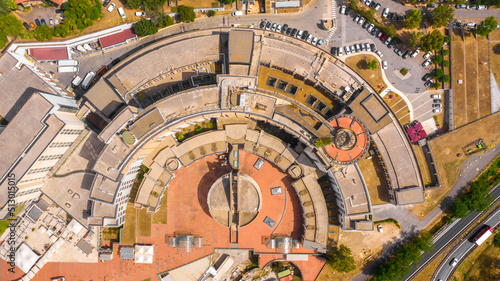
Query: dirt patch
(483,69)
(495,35)
(143,223)
(196,3)
(471,77)
(373,175)
(446,147)
(422,164)
(399,107)
(373,77)
(128,231)
(458,64)
(160,217)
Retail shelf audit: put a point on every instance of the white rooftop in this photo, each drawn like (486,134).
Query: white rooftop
(25,257)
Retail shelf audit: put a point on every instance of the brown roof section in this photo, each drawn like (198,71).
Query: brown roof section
(52,53)
(116,38)
(103,96)
(147,123)
(371,110)
(240,46)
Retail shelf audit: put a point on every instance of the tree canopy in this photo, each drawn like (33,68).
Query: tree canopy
(414,39)
(432,41)
(372,65)
(400,264)
(186,13)
(144,27)
(227,1)
(342,260)
(165,20)
(487,26)
(438,59)
(391,30)
(322,142)
(442,16)
(44,32)
(153,5)
(80,14)
(413,19)
(9,26)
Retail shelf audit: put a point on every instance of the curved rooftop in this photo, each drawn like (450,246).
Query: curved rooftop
(351,140)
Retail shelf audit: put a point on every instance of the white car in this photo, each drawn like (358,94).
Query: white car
(426,63)
(385,12)
(309,38)
(414,53)
(436,96)
(377,6)
(379,228)
(121,13)
(314,41)
(278,29)
(111,7)
(140,14)
(340,52)
(343,10)
(299,34)
(453,262)
(427,55)
(384,66)
(379,53)
(368,2)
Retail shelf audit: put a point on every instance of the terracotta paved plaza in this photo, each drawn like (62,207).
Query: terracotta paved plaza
(188,214)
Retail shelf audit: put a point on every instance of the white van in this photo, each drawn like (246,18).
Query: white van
(121,12)
(77,81)
(87,80)
(237,14)
(67,63)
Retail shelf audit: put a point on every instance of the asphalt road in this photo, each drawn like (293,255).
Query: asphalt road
(461,252)
(452,232)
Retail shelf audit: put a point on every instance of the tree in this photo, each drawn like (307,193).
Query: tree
(414,39)
(446,78)
(442,16)
(186,13)
(133,4)
(227,1)
(154,5)
(432,41)
(165,20)
(413,19)
(11,25)
(342,260)
(438,59)
(322,142)
(354,3)
(370,14)
(486,26)
(447,39)
(211,13)
(62,30)
(459,209)
(44,32)
(436,85)
(372,65)
(496,240)
(446,52)
(80,14)
(391,30)
(439,73)
(144,27)
(446,63)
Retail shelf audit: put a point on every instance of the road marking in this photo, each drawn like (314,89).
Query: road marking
(465,85)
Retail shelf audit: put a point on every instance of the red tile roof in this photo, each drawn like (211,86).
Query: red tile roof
(60,53)
(116,38)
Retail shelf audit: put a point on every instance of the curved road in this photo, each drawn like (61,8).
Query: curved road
(462,251)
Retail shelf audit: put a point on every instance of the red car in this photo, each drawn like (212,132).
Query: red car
(383,38)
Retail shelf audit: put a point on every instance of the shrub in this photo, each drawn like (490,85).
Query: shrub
(215,4)
(446,63)
(44,32)
(372,65)
(144,27)
(211,13)
(438,59)
(322,142)
(165,20)
(210,125)
(447,39)
(446,52)
(436,85)
(439,73)
(446,79)
(186,13)
(180,137)
(404,71)
(342,260)
(198,129)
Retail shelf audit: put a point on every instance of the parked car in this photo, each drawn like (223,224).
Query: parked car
(268,25)
(111,7)
(356,18)
(32,24)
(385,12)
(414,53)
(121,12)
(305,35)
(383,38)
(285,28)
(377,6)
(358,48)
(289,30)
(398,52)
(340,52)
(51,21)
(437,110)
(278,29)
(320,42)
(437,101)
(347,50)
(106,3)
(26,25)
(343,10)
(426,63)
(362,47)
(353,49)
(393,43)
(361,20)
(370,27)
(366,24)
(43,22)
(384,64)
(314,41)
(333,51)
(37,22)
(294,32)
(59,11)
(379,53)
(142,14)
(273,27)
(367,47)
(429,83)
(427,55)
(372,5)
(435,96)
(368,2)
(375,31)
(299,33)
(309,38)
(379,228)
(261,25)
(387,41)
(426,77)
(406,54)
(437,105)
(380,34)
(431,5)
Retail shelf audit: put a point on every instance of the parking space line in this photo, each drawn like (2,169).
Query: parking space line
(422,104)
(400,109)
(396,103)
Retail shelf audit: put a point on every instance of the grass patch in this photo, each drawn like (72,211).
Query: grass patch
(4,224)
(128,230)
(160,217)
(111,233)
(388,221)
(143,223)
(373,77)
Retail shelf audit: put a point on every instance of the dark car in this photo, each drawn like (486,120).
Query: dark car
(268,25)
(437,101)
(333,51)
(406,54)
(426,77)
(37,22)
(428,83)
(372,46)
(59,11)
(392,44)
(285,27)
(431,5)
(106,3)
(43,21)
(305,34)
(375,31)
(373,4)
(366,24)
(288,31)
(261,25)
(26,25)
(294,32)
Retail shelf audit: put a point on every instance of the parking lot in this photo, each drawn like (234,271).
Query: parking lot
(40,13)
(471,78)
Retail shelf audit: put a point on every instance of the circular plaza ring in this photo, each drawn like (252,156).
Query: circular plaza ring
(345,139)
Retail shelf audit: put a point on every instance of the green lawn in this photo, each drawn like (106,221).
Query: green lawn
(4,224)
